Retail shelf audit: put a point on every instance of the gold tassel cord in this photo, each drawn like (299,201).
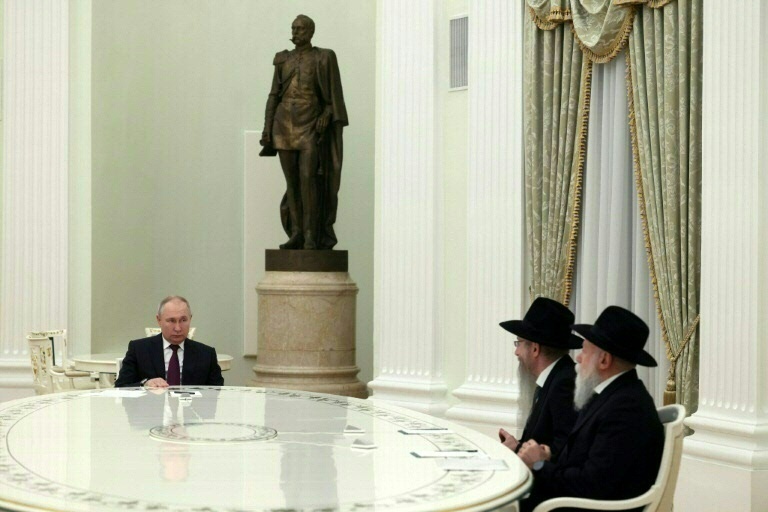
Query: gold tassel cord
(558,14)
(670,393)
(586,95)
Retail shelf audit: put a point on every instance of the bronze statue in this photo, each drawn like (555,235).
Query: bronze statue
(304,120)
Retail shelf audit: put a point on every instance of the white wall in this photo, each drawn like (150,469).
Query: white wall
(175,85)
(454,116)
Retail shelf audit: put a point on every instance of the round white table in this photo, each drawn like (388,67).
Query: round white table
(236,449)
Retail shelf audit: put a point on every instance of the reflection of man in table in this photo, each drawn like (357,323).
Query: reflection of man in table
(159,408)
(170,359)
(304,119)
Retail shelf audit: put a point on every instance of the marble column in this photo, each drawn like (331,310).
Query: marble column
(725,462)
(488,396)
(408,310)
(34,245)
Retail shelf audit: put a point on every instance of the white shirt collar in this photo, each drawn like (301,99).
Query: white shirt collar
(542,378)
(601,387)
(167,344)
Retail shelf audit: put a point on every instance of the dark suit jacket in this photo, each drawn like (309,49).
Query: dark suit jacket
(613,452)
(144,360)
(553,415)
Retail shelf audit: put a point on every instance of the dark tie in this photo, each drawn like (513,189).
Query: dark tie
(536,394)
(529,421)
(174,373)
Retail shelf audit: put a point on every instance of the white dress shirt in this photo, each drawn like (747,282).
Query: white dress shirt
(607,382)
(542,378)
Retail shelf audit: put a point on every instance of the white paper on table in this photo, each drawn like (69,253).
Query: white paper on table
(185,394)
(475,464)
(119,393)
(448,454)
(424,431)
(365,443)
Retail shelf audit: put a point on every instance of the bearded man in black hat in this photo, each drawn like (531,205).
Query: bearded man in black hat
(544,338)
(614,450)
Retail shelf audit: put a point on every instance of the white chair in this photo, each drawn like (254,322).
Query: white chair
(659,497)
(154,331)
(49,377)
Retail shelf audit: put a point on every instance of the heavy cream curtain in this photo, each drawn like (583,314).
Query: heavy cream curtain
(664,79)
(563,41)
(556,109)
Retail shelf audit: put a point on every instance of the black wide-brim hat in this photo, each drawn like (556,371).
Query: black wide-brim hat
(547,322)
(620,332)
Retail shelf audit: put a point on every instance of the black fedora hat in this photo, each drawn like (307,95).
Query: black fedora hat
(620,332)
(546,322)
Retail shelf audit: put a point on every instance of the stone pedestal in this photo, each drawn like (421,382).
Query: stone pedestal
(306,324)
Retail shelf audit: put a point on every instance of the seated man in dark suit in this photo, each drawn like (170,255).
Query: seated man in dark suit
(544,338)
(170,359)
(614,450)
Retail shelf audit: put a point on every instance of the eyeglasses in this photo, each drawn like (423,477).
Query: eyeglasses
(518,342)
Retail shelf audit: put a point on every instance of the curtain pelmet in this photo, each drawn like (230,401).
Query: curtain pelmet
(601,27)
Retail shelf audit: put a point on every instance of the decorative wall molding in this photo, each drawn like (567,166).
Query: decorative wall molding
(729,449)
(34,245)
(494,214)
(408,274)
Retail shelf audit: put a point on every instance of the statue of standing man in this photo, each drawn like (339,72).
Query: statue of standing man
(303,124)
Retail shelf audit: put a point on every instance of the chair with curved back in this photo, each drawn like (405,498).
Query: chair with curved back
(661,494)
(47,375)
(154,331)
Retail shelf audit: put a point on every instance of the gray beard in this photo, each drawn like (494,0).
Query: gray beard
(585,386)
(527,387)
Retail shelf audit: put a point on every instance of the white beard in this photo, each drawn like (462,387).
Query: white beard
(586,382)
(527,387)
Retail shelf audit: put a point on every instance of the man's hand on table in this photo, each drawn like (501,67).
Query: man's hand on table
(508,439)
(532,452)
(156,383)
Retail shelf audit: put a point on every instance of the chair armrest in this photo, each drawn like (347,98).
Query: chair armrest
(555,503)
(56,371)
(73,374)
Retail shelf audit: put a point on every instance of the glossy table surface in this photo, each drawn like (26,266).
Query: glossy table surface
(106,363)
(243,449)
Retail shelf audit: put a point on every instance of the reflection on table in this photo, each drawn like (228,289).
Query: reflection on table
(106,365)
(244,449)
